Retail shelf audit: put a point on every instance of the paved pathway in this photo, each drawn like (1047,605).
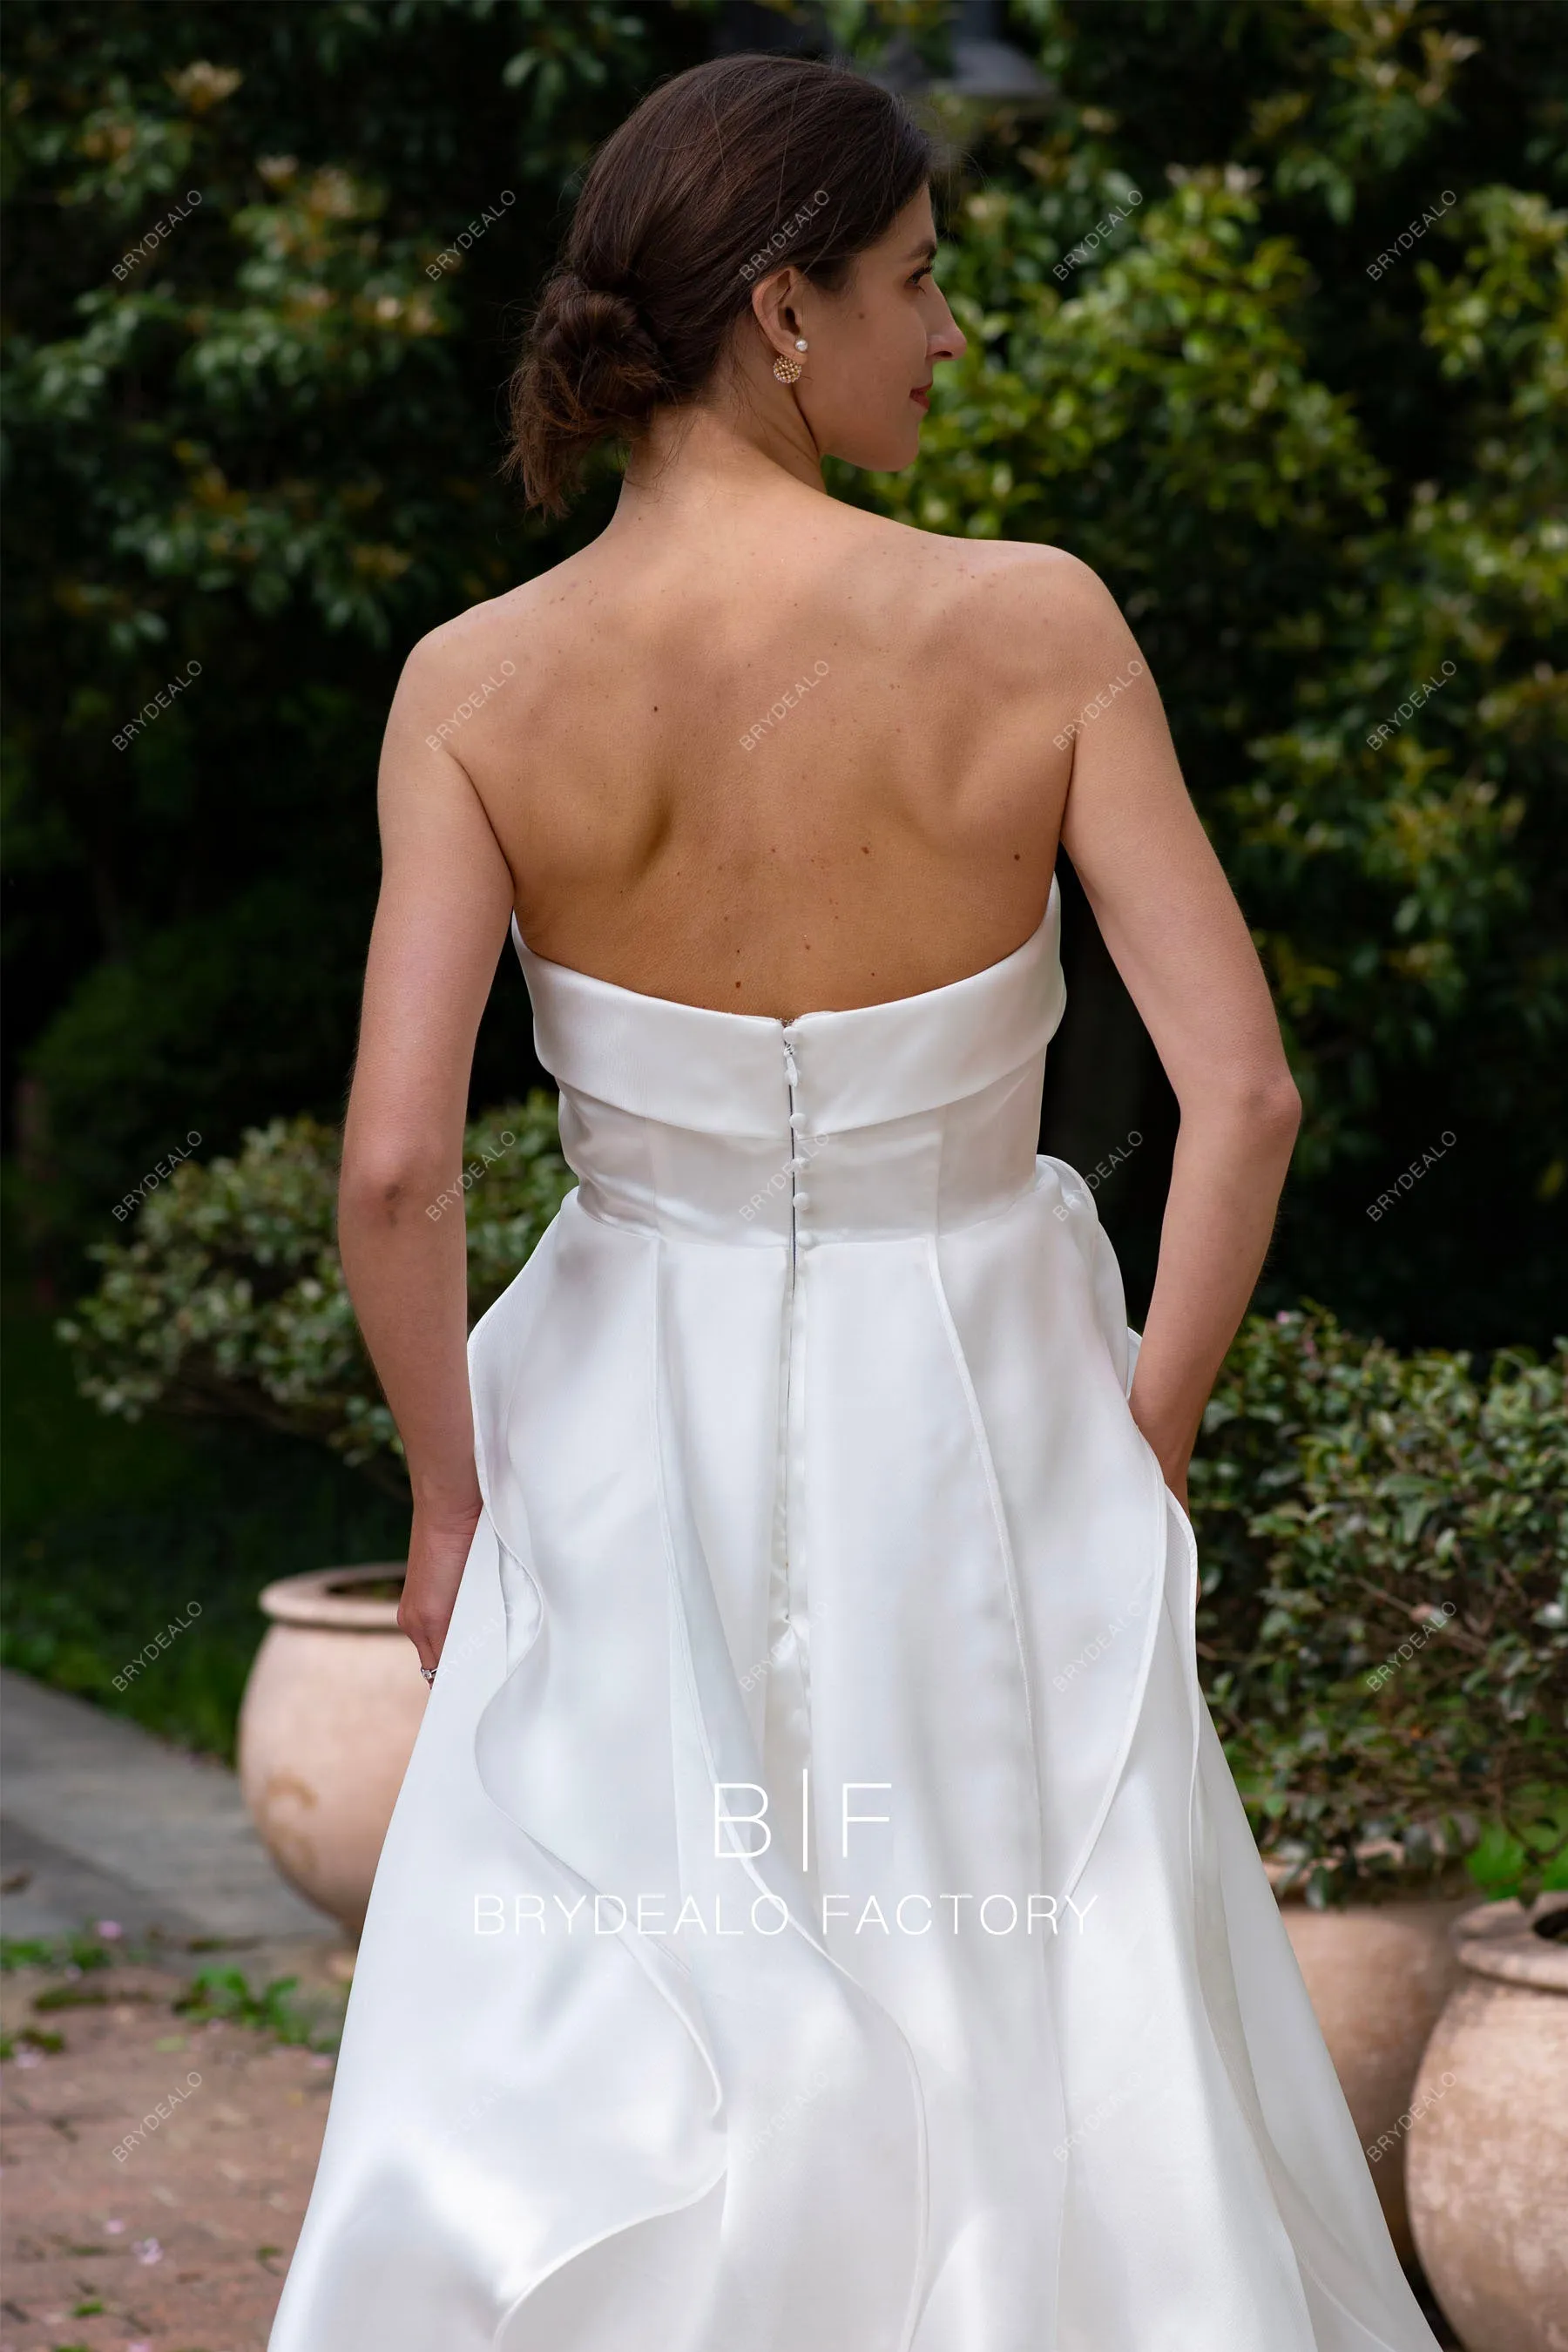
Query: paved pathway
(99,1819)
(156,2168)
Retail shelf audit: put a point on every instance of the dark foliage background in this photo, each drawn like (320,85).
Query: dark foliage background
(271,446)
(260,433)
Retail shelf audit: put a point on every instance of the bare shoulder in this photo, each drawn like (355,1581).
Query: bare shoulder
(1003,608)
(458,653)
(1037,601)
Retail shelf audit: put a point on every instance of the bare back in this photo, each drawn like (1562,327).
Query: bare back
(791,757)
(761,751)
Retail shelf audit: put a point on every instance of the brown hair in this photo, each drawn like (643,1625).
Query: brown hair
(721,175)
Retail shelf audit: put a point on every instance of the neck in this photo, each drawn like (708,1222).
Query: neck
(702,456)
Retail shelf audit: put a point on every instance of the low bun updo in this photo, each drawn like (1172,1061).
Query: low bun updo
(593,367)
(723,174)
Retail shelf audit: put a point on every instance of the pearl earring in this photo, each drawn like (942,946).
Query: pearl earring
(787,368)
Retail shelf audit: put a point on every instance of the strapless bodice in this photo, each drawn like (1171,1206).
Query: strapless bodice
(913,1115)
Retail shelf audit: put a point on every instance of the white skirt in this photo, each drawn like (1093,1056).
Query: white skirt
(819,1916)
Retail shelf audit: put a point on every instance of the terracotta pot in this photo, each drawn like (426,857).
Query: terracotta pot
(1378,1975)
(1489,2138)
(326,1727)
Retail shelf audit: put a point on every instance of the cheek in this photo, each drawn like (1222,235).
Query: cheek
(895,339)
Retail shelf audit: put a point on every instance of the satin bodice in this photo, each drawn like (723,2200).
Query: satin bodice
(910,1117)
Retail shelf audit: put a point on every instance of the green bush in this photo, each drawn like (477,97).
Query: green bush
(1384,1627)
(230,1299)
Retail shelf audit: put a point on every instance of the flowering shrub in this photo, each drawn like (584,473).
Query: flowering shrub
(230,1298)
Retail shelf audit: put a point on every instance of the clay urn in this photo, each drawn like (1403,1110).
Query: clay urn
(1377,1974)
(1488,2161)
(326,1729)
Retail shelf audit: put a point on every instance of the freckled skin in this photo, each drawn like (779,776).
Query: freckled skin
(885,805)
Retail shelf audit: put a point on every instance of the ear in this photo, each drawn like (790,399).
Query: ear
(773,306)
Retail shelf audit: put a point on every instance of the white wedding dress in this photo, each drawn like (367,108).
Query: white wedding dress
(809,1479)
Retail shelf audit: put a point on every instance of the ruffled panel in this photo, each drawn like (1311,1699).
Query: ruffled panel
(804,2133)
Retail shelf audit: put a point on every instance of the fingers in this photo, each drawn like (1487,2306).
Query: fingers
(437,1558)
(424,1632)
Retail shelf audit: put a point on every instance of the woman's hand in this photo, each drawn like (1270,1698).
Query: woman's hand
(438,1546)
(1173,1463)
(1170,1439)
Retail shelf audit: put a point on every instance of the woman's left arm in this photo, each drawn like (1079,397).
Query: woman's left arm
(440,925)
(1182,945)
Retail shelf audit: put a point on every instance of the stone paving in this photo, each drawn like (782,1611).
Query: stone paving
(174,2241)
(99,1819)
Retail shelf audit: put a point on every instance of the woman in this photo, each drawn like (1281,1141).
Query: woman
(818,1917)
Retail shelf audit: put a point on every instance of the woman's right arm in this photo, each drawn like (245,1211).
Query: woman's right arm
(439,930)
(1181,943)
